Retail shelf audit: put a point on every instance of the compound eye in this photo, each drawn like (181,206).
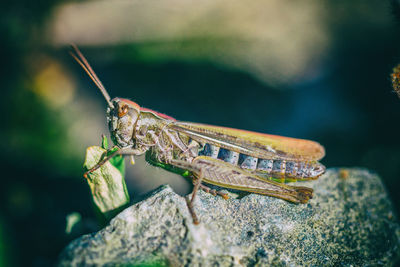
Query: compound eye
(123,110)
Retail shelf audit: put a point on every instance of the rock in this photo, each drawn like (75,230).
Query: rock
(350,221)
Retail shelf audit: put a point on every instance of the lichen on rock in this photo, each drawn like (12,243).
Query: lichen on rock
(350,221)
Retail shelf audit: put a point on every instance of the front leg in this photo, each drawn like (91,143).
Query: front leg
(122,151)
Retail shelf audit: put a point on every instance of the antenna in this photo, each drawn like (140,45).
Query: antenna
(78,56)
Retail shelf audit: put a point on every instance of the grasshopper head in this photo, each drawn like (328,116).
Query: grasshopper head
(122,114)
(122,117)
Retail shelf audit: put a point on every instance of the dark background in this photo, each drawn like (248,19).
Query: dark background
(342,99)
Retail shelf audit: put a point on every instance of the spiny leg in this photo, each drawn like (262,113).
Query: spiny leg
(190,202)
(125,152)
(188,150)
(132,152)
(197,183)
(214,192)
(223,174)
(191,211)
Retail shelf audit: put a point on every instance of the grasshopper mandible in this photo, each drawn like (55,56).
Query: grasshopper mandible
(226,157)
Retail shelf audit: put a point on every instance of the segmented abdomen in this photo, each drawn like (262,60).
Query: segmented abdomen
(296,170)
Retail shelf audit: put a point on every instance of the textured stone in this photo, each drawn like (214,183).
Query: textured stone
(350,221)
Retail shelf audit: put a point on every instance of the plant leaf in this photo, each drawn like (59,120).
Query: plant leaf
(107,183)
(72,219)
(104,142)
(117,161)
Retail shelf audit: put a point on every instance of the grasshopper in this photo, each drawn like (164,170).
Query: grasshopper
(226,157)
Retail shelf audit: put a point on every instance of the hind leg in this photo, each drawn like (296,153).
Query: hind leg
(214,192)
(198,173)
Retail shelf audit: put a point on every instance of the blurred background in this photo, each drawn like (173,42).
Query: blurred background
(309,69)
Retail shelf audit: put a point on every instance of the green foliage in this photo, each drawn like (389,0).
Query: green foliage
(152,262)
(104,142)
(7,247)
(150,158)
(3,254)
(117,161)
(72,219)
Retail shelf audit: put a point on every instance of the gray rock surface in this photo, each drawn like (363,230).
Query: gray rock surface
(350,221)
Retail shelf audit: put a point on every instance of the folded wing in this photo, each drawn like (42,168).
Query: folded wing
(252,143)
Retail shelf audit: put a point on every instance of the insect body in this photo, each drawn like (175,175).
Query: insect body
(221,156)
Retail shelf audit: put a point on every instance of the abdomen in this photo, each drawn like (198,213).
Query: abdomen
(280,170)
